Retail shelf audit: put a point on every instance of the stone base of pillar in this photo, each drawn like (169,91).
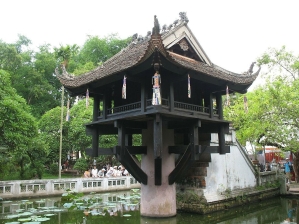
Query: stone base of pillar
(158,201)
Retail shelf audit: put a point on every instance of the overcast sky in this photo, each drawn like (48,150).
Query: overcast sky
(233,33)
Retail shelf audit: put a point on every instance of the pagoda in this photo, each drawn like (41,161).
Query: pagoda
(164,87)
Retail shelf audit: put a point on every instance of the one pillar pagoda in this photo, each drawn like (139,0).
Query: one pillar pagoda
(164,87)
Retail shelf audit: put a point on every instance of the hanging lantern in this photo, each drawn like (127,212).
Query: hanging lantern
(68,110)
(87,98)
(227,96)
(124,88)
(189,87)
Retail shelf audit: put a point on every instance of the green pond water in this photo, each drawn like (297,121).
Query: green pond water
(123,207)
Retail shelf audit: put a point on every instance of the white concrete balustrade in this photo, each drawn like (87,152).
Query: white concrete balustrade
(52,187)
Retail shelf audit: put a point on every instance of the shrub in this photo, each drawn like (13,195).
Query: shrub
(53,169)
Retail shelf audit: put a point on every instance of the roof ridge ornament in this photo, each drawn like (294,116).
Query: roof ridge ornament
(64,73)
(183,17)
(156,28)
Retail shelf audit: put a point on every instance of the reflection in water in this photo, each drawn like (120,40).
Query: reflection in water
(121,207)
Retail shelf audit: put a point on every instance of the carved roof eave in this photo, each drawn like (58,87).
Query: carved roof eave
(124,58)
(214,71)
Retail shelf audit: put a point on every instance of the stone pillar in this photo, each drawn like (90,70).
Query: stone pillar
(157,201)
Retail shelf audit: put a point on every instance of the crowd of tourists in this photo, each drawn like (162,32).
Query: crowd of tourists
(107,171)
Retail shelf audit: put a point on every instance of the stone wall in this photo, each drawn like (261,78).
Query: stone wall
(52,187)
(187,201)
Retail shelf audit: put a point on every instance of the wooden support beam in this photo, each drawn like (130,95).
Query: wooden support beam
(133,150)
(213,127)
(143,98)
(171,97)
(96,107)
(183,124)
(137,150)
(193,132)
(180,149)
(219,105)
(132,167)
(95,142)
(221,139)
(158,171)
(211,105)
(105,106)
(182,165)
(101,151)
(157,136)
(131,124)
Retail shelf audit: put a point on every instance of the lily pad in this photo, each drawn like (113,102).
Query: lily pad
(24,219)
(31,222)
(26,214)
(12,216)
(12,223)
(42,219)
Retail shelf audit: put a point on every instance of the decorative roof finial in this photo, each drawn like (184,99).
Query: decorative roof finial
(156,28)
(183,16)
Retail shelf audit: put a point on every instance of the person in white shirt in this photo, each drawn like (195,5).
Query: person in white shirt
(110,172)
(101,173)
(115,171)
(94,172)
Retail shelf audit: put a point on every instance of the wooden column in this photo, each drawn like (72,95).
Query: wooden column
(96,106)
(211,105)
(219,105)
(157,135)
(143,98)
(221,139)
(194,138)
(171,97)
(121,138)
(95,142)
(158,144)
(104,106)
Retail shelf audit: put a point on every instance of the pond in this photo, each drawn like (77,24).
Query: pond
(123,207)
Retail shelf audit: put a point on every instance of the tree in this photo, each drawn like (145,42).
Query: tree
(49,127)
(95,51)
(18,135)
(272,117)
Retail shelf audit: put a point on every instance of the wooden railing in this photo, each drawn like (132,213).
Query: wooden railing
(165,103)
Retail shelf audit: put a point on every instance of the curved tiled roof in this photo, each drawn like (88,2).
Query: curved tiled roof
(214,71)
(137,52)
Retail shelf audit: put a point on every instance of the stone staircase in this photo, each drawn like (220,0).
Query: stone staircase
(293,188)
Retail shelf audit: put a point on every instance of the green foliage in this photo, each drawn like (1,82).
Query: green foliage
(53,169)
(98,50)
(17,125)
(81,165)
(30,90)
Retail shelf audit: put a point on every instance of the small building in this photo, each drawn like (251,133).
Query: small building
(165,87)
